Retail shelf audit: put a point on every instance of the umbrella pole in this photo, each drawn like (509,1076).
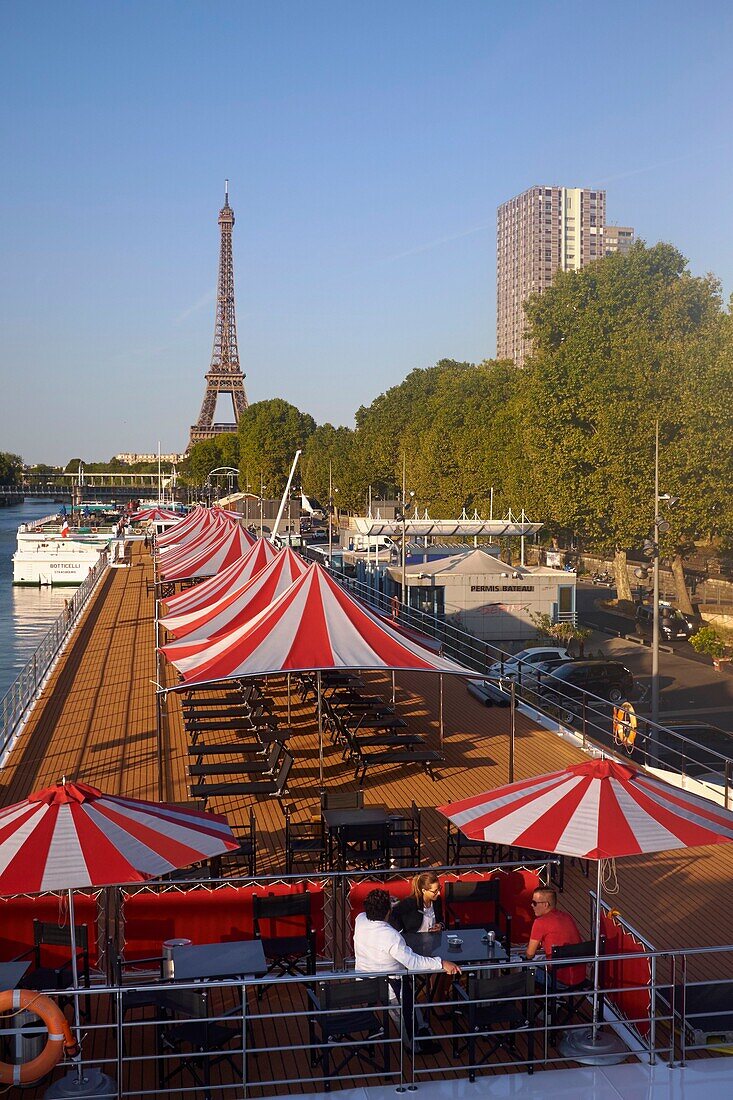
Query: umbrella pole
(440,696)
(596,963)
(289,718)
(393,688)
(75,980)
(320,730)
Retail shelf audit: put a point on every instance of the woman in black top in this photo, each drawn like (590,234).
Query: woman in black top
(422,910)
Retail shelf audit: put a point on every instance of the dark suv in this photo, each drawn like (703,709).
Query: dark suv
(672,623)
(565,686)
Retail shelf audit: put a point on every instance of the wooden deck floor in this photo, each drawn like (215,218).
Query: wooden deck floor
(96,721)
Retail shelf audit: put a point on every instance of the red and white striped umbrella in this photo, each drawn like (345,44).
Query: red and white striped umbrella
(155,515)
(71,835)
(597,810)
(207,561)
(194,521)
(313,625)
(240,605)
(236,575)
(194,542)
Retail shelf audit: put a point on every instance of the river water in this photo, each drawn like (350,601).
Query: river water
(26,614)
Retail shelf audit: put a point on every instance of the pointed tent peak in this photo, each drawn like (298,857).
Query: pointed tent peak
(64,792)
(604,769)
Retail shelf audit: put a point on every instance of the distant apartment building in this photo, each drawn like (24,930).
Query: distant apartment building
(131,459)
(539,231)
(617,238)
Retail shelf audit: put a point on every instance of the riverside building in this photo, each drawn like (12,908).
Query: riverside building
(538,232)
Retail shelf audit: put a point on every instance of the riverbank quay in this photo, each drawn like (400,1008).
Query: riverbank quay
(96,721)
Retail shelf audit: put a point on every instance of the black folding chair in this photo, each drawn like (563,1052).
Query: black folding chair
(404,838)
(458,847)
(244,856)
(565,1001)
(477,905)
(304,841)
(495,1011)
(350,1020)
(363,845)
(50,973)
(188,1041)
(292,953)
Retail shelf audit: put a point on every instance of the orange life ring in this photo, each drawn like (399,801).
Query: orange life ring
(60,1039)
(624,726)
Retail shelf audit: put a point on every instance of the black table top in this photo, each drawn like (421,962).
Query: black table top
(11,973)
(376,721)
(219,960)
(473,949)
(367,815)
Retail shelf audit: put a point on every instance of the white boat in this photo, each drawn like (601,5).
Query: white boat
(46,557)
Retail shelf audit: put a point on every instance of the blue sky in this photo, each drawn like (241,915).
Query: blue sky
(368,146)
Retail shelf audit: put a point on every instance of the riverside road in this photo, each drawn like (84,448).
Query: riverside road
(691,690)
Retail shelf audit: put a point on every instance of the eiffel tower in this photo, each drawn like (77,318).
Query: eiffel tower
(224,375)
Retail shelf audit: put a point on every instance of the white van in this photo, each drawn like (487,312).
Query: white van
(370,543)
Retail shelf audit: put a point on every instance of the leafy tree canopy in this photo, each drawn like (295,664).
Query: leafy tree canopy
(270,432)
(11,469)
(623,342)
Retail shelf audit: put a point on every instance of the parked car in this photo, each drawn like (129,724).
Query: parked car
(565,688)
(539,674)
(673,623)
(516,666)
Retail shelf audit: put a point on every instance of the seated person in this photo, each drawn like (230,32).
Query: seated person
(422,909)
(554,928)
(380,949)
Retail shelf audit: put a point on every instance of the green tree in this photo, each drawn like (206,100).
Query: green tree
(614,345)
(270,432)
(11,469)
(330,446)
(208,455)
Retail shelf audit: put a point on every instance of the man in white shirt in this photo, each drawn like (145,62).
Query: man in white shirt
(381,949)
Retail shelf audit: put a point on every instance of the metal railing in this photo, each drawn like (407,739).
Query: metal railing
(701,768)
(266,1035)
(20,696)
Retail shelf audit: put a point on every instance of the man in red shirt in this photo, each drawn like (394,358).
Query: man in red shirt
(553,928)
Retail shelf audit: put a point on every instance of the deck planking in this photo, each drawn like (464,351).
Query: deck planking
(96,721)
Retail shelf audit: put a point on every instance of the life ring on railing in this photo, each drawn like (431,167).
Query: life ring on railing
(60,1039)
(624,726)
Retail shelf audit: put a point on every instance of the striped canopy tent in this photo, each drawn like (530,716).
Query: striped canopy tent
(313,626)
(238,606)
(227,512)
(232,544)
(197,520)
(234,576)
(193,540)
(196,541)
(599,809)
(155,515)
(71,835)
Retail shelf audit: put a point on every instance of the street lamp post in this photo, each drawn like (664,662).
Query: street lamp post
(331,492)
(651,550)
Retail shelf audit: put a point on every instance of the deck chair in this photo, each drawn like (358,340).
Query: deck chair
(477,905)
(494,1011)
(403,838)
(349,1020)
(188,1041)
(304,841)
(565,1001)
(52,968)
(295,951)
